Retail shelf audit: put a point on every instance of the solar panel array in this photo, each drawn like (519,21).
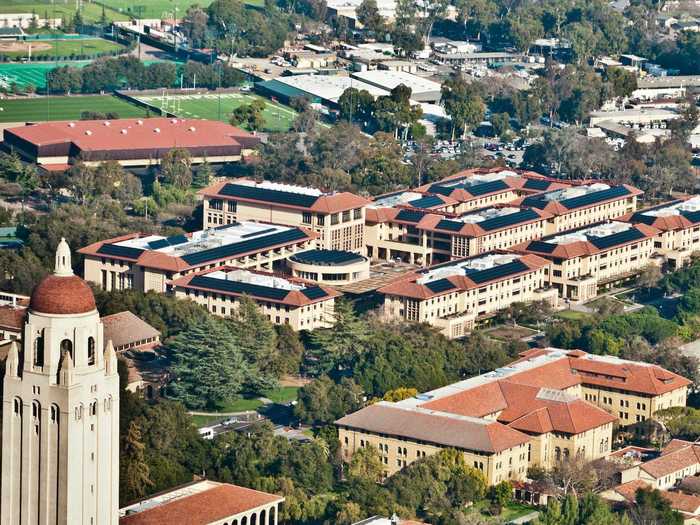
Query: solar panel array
(541,246)
(120,251)
(441,285)
(409,215)
(510,219)
(175,240)
(261,232)
(633,234)
(537,184)
(487,187)
(692,216)
(535,201)
(267,195)
(446,224)
(314,292)
(329,257)
(428,201)
(241,247)
(594,197)
(237,287)
(502,270)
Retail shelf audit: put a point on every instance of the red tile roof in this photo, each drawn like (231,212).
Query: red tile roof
(686,503)
(676,456)
(12,318)
(62,296)
(203,508)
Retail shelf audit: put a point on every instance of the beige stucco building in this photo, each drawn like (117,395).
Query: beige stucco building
(595,256)
(60,433)
(454,296)
(283,300)
(678,223)
(338,219)
(148,262)
(333,267)
(549,397)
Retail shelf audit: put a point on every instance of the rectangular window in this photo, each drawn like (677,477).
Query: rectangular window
(357,213)
(334,219)
(321,220)
(306,217)
(232,205)
(346,216)
(216,204)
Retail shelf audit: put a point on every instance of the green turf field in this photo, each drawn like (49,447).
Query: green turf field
(162,8)
(277,117)
(64,108)
(92,47)
(58,9)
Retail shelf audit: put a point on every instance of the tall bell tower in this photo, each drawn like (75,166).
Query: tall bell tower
(60,426)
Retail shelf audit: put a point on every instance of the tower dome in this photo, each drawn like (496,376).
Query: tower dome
(62,293)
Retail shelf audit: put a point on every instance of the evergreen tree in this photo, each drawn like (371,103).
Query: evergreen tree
(570,510)
(203,175)
(134,473)
(176,168)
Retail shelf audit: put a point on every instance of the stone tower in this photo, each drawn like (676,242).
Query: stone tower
(60,427)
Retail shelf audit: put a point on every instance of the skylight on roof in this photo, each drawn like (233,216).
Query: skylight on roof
(489,213)
(576,191)
(690,205)
(467,266)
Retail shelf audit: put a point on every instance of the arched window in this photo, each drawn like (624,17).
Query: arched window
(18,406)
(93,408)
(273,510)
(254,519)
(39,350)
(263,517)
(67,346)
(36,410)
(54,413)
(91,351)
(244,520)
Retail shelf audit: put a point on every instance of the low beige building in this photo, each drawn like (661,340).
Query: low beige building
(284,300)
(424,238)
(334,267)
(688,505)
(543,409)
(678,223)
(127,331)
(678,460)
(584,204)
(148,262)
(595,256)
(454,296)
(338,219)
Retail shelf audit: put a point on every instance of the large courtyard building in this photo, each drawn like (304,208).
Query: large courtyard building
(454,296)
(299,304)
(424,238)
(585,204)
(148,262)
(678,223)
(595,256)
(131,142)
(338,218)
(547,407)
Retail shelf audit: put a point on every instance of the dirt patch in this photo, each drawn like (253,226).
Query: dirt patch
(15,46)
(288,380)
(510,332)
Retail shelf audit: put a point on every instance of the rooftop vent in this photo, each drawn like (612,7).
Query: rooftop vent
(88,132)
(139,122)
(157,130)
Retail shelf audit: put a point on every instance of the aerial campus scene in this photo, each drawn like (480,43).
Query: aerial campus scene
(350,262)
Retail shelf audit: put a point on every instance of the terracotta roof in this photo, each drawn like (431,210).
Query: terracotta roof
(407,285)
(62,295)
(203,508)
(680,457)
(12,318)
(436,427)
(686,503)
(629,490)
(124,328)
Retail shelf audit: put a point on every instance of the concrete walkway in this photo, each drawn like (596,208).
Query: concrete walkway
(525,519)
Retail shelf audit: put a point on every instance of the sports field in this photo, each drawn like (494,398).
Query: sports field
(59,9)
(277,117)
(161,8)
(64,108)
(82,47)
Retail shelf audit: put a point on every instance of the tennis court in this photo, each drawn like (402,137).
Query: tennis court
(64,108)
(219,107)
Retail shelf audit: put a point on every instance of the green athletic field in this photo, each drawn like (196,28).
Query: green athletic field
(64,48)
(161,8)
(64,108)
(277,117)
(59,9)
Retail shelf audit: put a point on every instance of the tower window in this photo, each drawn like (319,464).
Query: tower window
(18,406)
(67,346)
(54,413)
(91,351)
(39,350)
(93,408)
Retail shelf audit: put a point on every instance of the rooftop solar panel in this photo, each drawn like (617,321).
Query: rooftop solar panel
(410,215)
(441,285)
(329,257)
(508,220)
(120,251)
(594,197)
(541,247)
(537,184)
(487,187)
(157,245)
(535,201)
(267,195)
(497,272)
(692,216)
(442,190)
(241,247)
(177,239)
(236,287)
(261,232)
(314,292)
(453,226)
(616,239)
(643,218)
(427,202)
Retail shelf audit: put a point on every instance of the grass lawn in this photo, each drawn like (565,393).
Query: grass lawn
(572,315)
(64,108)
(162,8)
(201,421)
(277,117)
(283,394)
(59,9)
(85,47)
(241,404)
(510,512)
